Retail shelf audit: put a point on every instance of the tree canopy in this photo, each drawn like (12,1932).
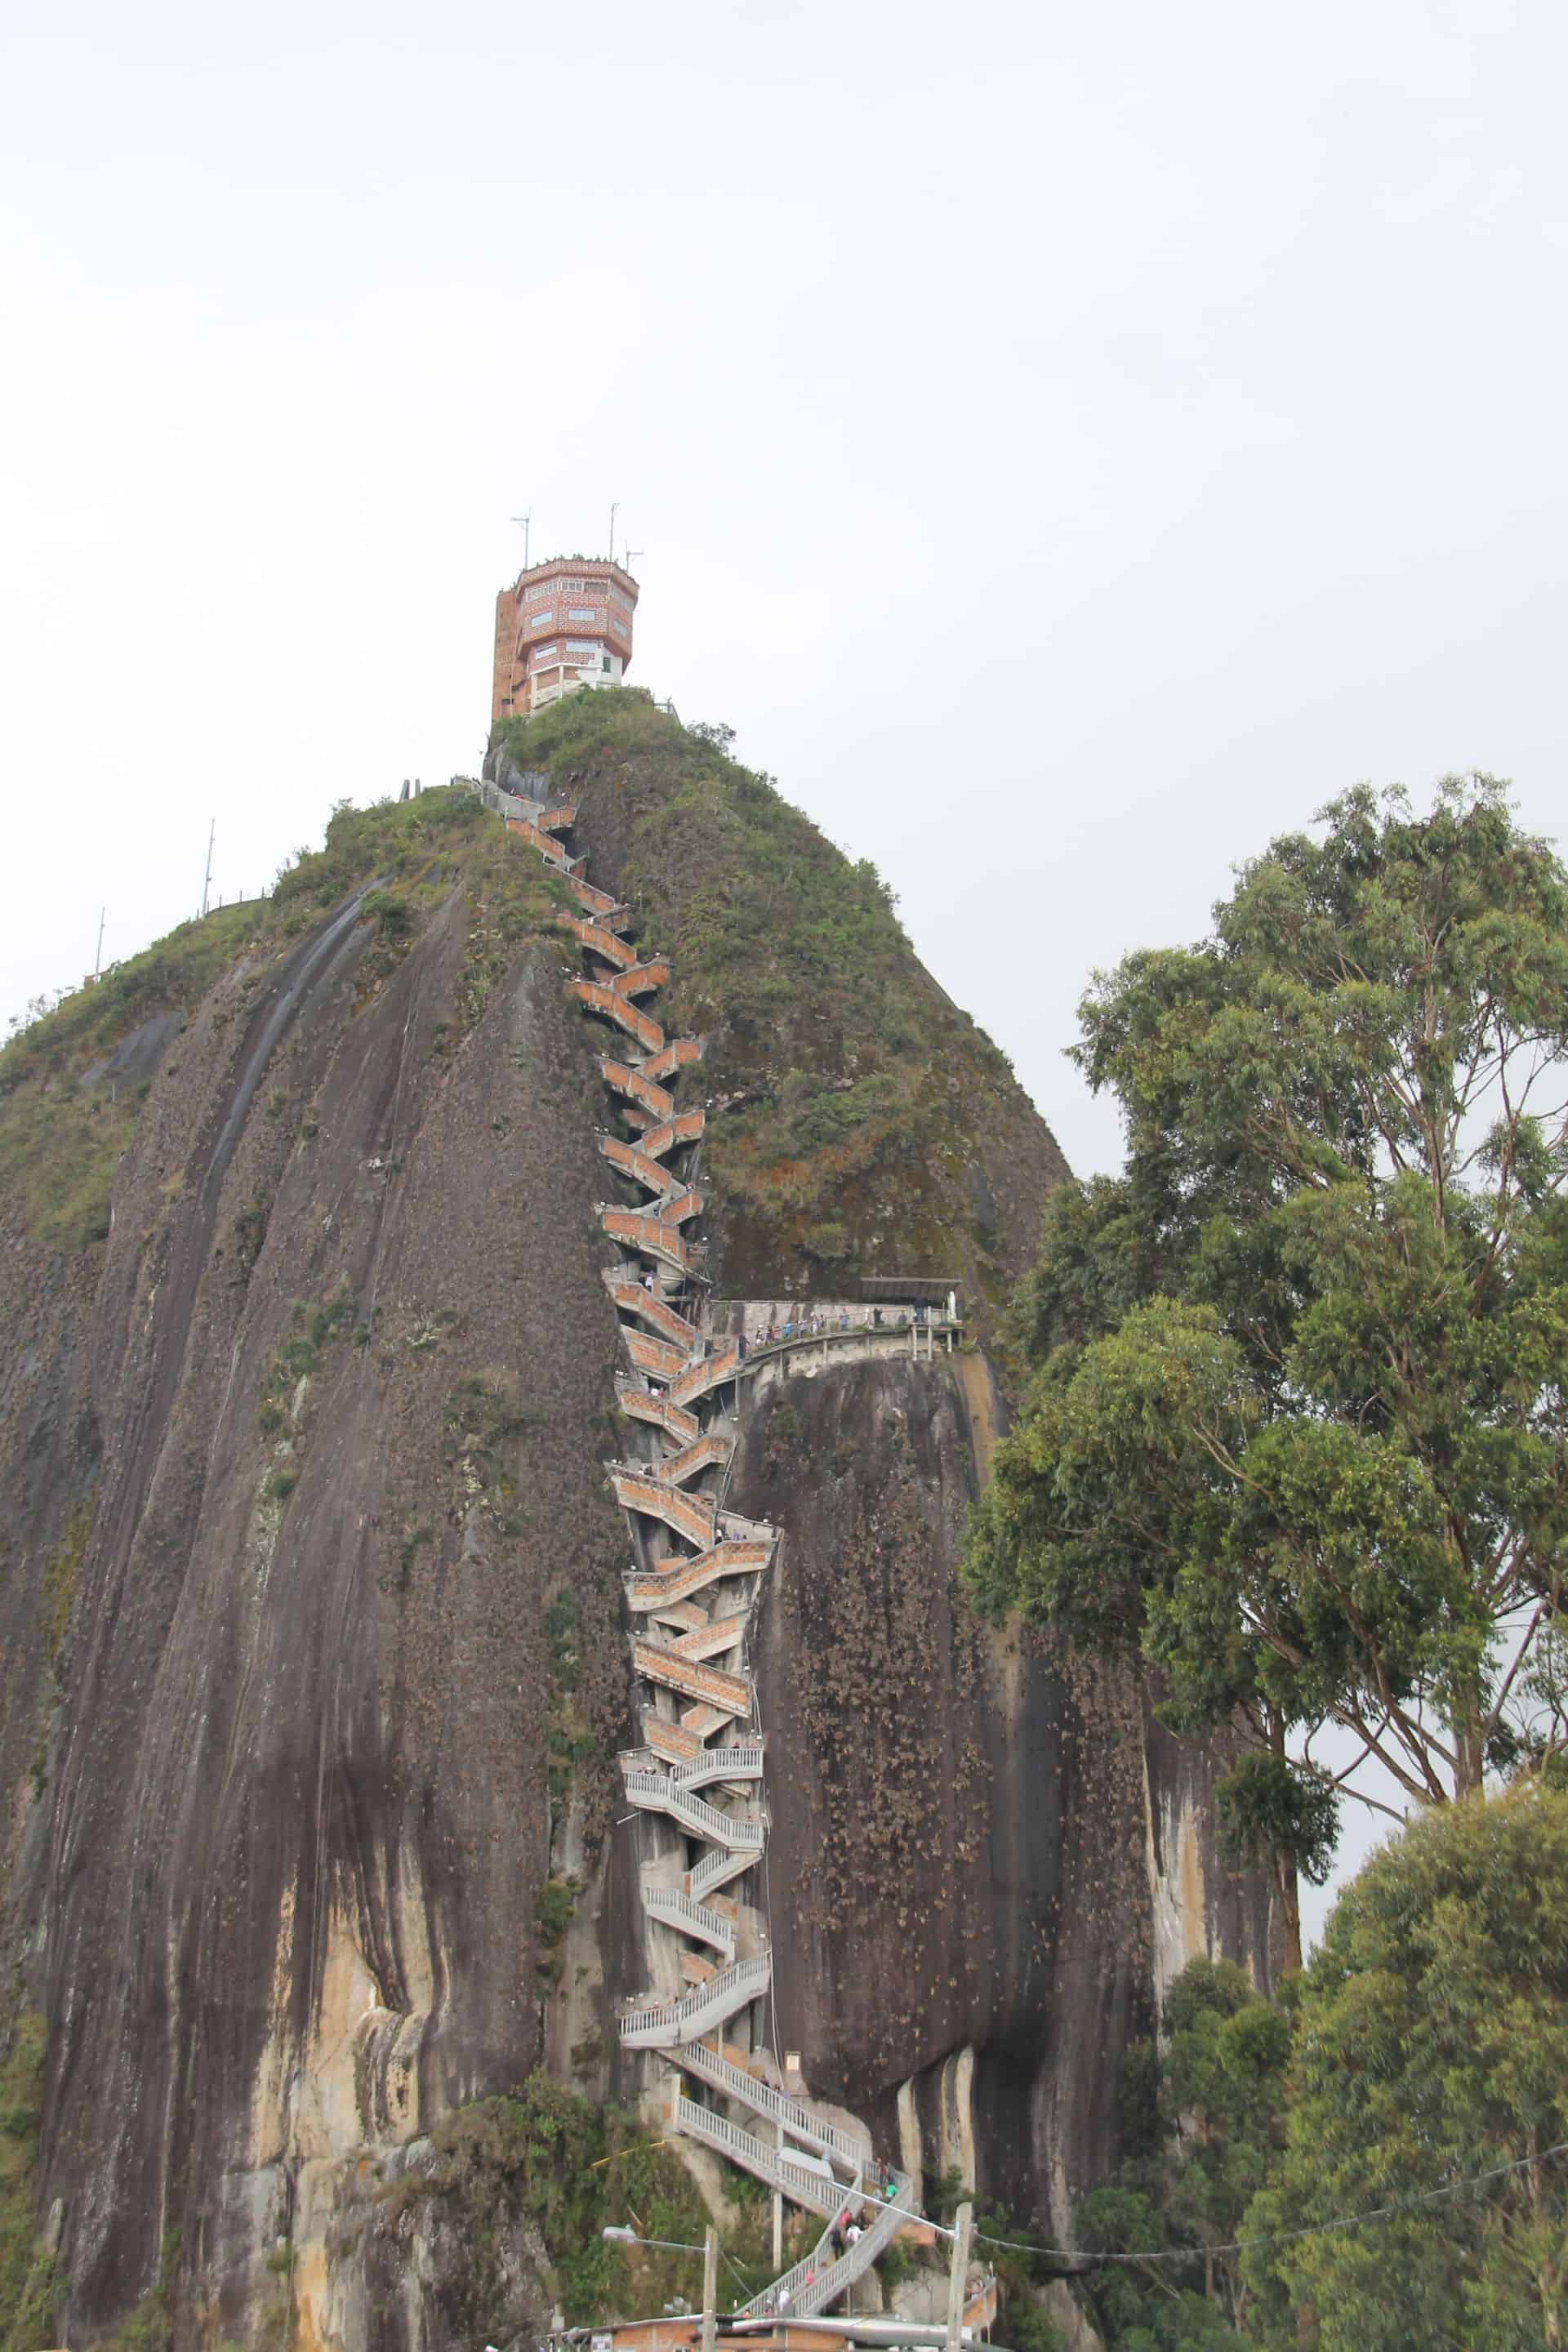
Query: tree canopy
(1432,2047)
(1296,1422)
(1372,2160)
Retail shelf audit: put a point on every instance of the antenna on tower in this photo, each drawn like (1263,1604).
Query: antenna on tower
(522,522)
(633,555)
(613,512)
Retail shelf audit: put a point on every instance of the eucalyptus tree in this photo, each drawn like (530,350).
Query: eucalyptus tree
(1296,1427)
(1429,2074)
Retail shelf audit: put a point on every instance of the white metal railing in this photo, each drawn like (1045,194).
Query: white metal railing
(810,2287)
(716,1869)
(691,1917)
(655,1791)
(741,1761)
(722,2074)
(659,2023)
(798,2178)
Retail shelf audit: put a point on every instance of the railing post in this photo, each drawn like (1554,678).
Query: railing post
(778,2216)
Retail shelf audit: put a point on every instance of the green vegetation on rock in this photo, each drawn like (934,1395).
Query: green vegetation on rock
(69,1109)
(1203,2124)
(27,2281)
(1420,2064)
(1432,2046)
(546,2156)
(852,1102)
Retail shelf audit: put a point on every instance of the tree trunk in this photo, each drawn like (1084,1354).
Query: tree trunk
(1469,1761)
(1287,1888)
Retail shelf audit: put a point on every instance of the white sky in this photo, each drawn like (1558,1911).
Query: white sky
(1066,443)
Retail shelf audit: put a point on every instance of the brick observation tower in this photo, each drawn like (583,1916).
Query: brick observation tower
(561,626)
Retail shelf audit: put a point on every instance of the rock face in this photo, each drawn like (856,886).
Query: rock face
(287,1850)
(315,1669)
(990,1859)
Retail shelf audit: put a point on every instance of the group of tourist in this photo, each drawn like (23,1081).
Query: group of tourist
(805,1327)
(810,1323)
(878,2183)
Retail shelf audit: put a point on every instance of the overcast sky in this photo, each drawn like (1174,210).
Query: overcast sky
(1068,444)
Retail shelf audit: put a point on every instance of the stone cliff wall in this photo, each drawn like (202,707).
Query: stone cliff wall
(313,1586)
(972,1914)
(283,1864)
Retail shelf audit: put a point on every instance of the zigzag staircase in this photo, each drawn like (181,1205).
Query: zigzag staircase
(691,1597)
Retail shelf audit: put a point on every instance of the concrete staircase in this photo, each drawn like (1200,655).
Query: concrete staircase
(819,2278)
(690,1594)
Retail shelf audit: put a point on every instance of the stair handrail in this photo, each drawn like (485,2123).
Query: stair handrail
(737,1832)
(745,1978)
(852,2265)
(749,2090)
(801,2181)
(742,1759)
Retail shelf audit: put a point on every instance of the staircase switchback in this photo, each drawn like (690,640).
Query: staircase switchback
(691,1594)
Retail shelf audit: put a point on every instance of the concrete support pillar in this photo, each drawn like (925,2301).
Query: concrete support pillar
(710,2287)
(958,2276)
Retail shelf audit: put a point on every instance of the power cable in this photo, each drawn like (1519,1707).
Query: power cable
(1268,2237)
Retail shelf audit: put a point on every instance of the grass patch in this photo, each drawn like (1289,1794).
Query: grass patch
(850,1095)
(555,1908)
(61,1576)
(29,2286)
(313,1327)
(65,1121)
(59,1153)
